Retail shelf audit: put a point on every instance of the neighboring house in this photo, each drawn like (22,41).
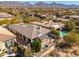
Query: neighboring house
(56,25)
(49,24)
(62,19)
(27,32)
(66,17)
(7,39)
(4,15)
(74,16)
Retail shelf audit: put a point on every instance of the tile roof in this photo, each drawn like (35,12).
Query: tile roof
(29,30)
(4,37)
(5,34)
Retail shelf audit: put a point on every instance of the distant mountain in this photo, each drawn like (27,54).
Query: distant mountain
(73,6)
(56,5)
(37,4)
(41,4)
(27,4)
(14,4)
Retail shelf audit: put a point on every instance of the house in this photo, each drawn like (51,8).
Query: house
(4,15)
(66,17)
(62,19)
(49,24)
(56,25)
(27,32)
(7,39)
(74,16)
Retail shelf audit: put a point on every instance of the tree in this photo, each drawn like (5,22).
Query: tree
(70,25)
(55,32)
(14,21)
(26,20)
(5,21)
(72,38)
(75,31)
(36,45)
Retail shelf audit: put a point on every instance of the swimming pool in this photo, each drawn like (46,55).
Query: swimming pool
(63,33)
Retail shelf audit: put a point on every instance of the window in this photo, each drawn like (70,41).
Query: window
(7,45)
(12,42)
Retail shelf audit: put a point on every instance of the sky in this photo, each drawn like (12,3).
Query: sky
(68,2)
(63,2)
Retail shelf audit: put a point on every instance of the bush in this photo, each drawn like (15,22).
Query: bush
(5,21)
(72,38)
(55,32)
(18,48)
(28,52)
(63,45)
(14,21)
(15,49)
(70,25)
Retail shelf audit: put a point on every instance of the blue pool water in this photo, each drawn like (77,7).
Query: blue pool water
(62,34)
